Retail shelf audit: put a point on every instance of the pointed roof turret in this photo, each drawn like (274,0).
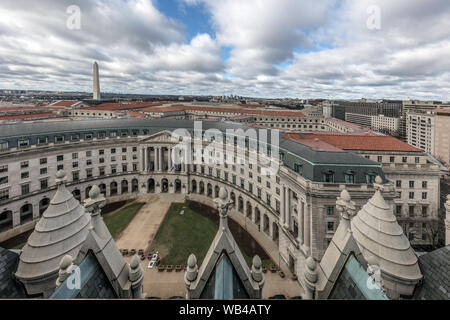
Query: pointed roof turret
(381,239)
(61,231)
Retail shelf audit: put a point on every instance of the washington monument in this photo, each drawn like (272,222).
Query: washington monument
(96,83)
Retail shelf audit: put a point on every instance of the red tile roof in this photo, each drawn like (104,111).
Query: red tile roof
(114,106)
(357,142)
(437,110)
(65,103)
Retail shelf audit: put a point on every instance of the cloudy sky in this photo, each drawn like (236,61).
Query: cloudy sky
(262,48)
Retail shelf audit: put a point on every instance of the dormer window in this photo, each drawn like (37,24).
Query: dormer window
(349,176)
(328,176)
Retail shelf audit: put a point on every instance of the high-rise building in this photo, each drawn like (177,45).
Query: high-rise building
(97,95)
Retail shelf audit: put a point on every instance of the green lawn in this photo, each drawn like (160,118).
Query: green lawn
(118,221)
(181,235)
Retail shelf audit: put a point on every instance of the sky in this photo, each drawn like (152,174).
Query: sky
(332,49)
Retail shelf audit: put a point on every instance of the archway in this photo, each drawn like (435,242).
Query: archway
(241,205)
(233,198)
(164,186)
(151,186)
(6,220)
(77,194)
(194,186)
(249,210)
(86,191)
(257,216)
(43,205)
(26,213)
(275,233)
(113,188)
(134,185)
(124,186)
(210,190)
(102,188)
(266,225)
(202,187)
(216,191)
(177,186)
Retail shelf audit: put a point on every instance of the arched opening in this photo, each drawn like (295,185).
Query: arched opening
(249,210)
(216,191)
(124,186)
(210,190)
(241,205)
(178,186)
(134,185)
(202,187)
(6,220)
(275,234)
(86,191)
(43,205)
(266,225)
(233,198)
(151,186)
(194,186)
(26,213)
(165,186)
(258,218)
(102,188)
(77,194)
(113,188)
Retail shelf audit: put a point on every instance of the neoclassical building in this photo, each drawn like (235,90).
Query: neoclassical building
(295,208)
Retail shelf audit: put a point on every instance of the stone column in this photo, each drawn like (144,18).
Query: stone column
(447,221)
(300,223)
(160,158)
(169,158)
(307,227)
(16,218)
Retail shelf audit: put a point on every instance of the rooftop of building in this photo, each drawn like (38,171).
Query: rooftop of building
(355,142)
(65,103)
(27,116)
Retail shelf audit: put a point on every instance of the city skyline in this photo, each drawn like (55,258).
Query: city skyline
(333,50)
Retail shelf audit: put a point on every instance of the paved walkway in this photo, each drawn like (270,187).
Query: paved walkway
(142,229)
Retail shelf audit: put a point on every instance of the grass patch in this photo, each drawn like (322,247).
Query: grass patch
(20,246)
(118,221)
(181,235)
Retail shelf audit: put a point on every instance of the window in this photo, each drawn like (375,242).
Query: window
(24,164)
(298,168)
(267,184)
(3,145)
(60,167)
(411,195)
(330,210)
(424,184)
(42,140)
(226,176)
(328,176)
(74,164)
(88,173)
(124,167)
(89,162)
(398,210)
(277,206)
(370,178)
(44,184)
(350,177)
(59,139)
(3,180)
(101,160)
(43,171)
(135,167)
(210,171)
(234,179)
(113,159)
(417,159)
(59,158)
(88,136)
(380,159)
(74,155)
(330,226)
(250,187)
(277,190)
(398,183)
(101,152)
(113,134)
(391,159)
(113,169)
(218,173)
(424,195)
(425,211)
(268,198)
(43,161)
(259,193)
(25,175)
(25,189)
(75,175)
(88,154)
(23,143)
(75,137)
(411,211)
(3,168)
(4,194)
(134,149)
(411,184)
(101,171)
(124,158)
(242,183)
